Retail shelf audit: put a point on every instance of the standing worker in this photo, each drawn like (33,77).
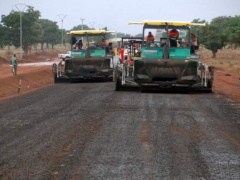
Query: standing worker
(194,43)
(14,64)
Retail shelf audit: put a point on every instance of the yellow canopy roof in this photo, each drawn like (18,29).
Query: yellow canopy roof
(171,23)
(91,32)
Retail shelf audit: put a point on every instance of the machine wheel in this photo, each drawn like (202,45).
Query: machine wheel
(118,85)
(142,89)
(56,80)
(209,86)
(107,79)
(54,68)
(72,80)
(54,71)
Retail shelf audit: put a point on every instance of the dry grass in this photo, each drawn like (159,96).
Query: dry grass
(228,59)
(6,53)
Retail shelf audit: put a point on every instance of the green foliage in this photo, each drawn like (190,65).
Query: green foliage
(220,22)
(3,36)
(223,30)
(80,27)
(11,23)
(31,29)
(198,31)
(232,31)
(66,37)
(213,38)
(50,32)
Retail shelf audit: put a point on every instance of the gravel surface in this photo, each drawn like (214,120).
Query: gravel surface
(89,131)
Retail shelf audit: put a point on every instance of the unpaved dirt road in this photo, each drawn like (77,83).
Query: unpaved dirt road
(89,131)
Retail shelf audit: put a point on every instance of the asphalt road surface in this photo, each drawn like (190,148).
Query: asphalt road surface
(89,131)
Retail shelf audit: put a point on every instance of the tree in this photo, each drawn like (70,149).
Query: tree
(79,27)
(212,36)
(31,28)
(66,38)
(220,22)
(232,31)
(50,32)
(3,36)
(213,39)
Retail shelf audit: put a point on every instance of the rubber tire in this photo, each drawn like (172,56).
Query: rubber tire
(118,85)
(209,85)
(56,80)
(141,89)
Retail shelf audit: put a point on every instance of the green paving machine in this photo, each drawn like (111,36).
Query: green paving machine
(168,59)
(90,57)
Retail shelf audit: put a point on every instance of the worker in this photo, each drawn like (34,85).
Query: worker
(194,43)
(136,45)
(104,42)
(105,45)
(173,35)
(14,64)
(150,37)
(136,50)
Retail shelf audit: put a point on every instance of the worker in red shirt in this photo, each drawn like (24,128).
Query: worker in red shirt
(150,37)
(173,35)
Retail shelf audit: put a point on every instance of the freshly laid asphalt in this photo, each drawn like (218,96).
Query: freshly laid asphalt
(89,131)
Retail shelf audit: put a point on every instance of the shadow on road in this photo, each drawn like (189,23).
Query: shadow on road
(167,90)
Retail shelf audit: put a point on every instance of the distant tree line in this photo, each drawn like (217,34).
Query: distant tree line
(34,30)
(222,32)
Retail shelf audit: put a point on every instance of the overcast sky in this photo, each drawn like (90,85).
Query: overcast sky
(116,14)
